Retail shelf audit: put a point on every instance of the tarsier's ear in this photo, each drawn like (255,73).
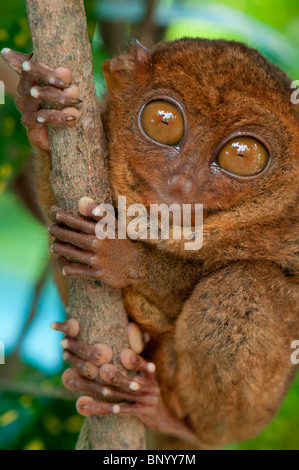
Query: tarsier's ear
(140,53)
(122,68)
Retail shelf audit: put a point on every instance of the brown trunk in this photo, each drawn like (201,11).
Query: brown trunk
(59,35)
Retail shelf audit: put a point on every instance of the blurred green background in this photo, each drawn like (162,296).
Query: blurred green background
(35,411)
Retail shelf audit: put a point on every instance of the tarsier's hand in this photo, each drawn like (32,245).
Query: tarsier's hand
(94,375)
(81,253)
(57,91)
(99,380)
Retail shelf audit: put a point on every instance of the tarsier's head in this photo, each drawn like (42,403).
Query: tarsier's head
(199,121)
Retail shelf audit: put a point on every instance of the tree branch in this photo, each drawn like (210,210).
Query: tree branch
(79,168)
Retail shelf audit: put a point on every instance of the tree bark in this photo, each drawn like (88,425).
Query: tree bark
(79,168)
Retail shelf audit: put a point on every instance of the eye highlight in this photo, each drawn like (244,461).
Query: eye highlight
(243,156)
(163,122)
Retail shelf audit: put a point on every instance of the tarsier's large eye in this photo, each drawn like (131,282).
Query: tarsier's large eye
(243,156)
(163,122)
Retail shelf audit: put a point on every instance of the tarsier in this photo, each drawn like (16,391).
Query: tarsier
(192,121)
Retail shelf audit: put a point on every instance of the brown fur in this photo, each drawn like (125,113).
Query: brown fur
(223,318)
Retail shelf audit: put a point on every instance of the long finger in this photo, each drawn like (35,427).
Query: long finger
(60,77)
(69,251)
(80,240)
(75,382)
(86,368)
(14,59)
(77,223)
(97,353)
(53,95)
(69,327)
(87,406)
(76,269)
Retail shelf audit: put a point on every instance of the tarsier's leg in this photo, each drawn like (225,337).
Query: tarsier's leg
(95,376)
(233,350)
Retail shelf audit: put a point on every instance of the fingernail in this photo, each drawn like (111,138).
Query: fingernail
(146,337)
(65,355)
(40,119)
(26,66)
(64,343)
(151,367)
(53,325)
(5,50)
(62,84)
(116,409)
(76,101)
(96,211)
(52,248)
(70,118)
(34,93)
(134,386)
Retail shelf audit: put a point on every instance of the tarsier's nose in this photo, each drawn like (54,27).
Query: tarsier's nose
(181,186)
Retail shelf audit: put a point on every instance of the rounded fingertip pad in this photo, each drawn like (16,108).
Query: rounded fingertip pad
(102,353)
(86,206)
(128,358)
(73,327)
(136,341)
(63,74)
(39,138)
(84,406)
(69,379)
(90,371)
(72,92)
